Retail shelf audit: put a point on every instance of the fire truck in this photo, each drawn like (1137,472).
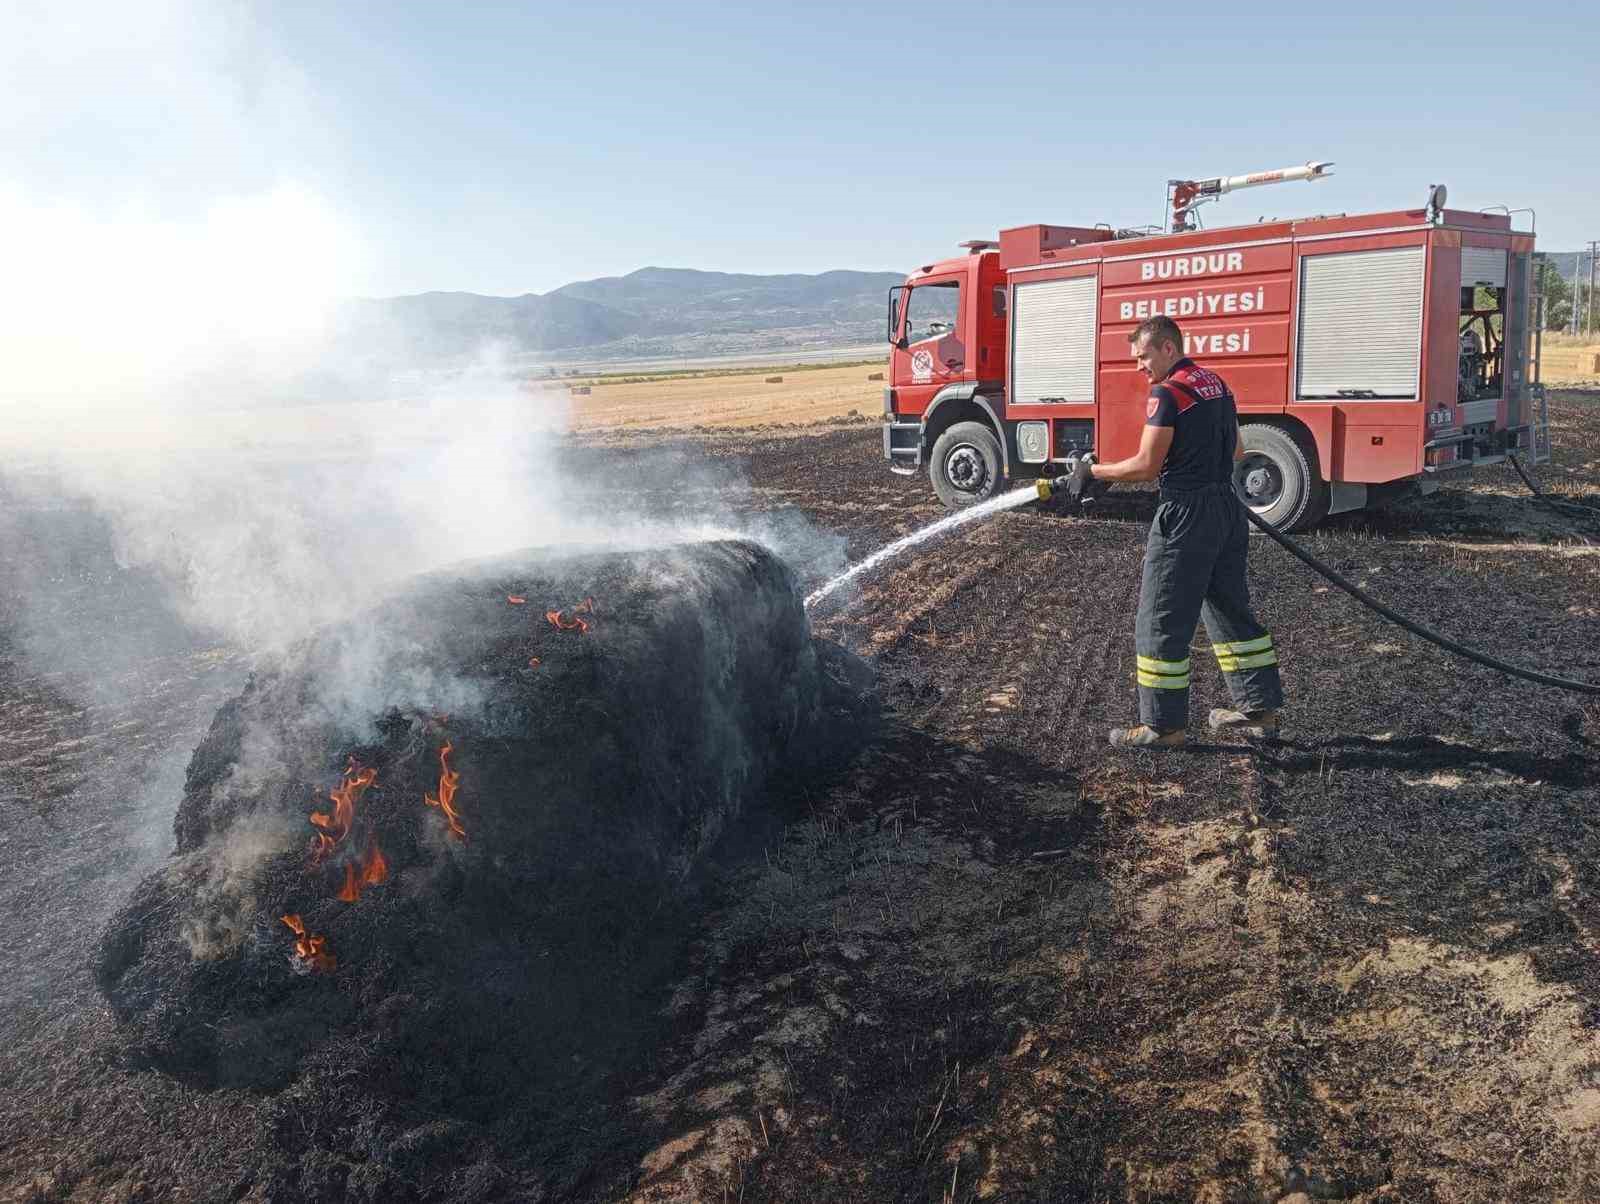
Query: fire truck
(1367,353)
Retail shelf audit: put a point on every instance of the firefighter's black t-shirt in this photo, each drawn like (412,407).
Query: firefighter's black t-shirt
(1198,405)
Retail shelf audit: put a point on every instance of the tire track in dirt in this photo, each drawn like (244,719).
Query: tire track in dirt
(1273,1090)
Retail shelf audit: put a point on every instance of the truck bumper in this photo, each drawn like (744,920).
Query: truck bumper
(902,446)
(1483,446)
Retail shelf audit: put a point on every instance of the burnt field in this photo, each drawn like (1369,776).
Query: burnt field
(978,957)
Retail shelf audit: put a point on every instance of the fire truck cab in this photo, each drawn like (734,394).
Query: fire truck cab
(1364,352)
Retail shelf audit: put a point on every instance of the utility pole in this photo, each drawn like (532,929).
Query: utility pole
(1593,243)
(1577,293)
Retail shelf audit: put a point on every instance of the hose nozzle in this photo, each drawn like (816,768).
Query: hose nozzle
(1048,487)
(1063,485)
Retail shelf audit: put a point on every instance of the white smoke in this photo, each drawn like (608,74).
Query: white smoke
(128,319)
(173,380)
(225,909)
(162,221)
(171,352)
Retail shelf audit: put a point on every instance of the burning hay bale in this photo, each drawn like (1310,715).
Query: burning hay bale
(435,854)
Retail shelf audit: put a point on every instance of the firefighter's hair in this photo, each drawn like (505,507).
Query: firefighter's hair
(1161,329)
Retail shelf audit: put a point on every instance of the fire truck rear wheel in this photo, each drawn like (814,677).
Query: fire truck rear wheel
(965,465)
(1278,478)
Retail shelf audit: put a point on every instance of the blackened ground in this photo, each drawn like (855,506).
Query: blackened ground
(993,961)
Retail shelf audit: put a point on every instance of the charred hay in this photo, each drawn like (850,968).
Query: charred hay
(506,971)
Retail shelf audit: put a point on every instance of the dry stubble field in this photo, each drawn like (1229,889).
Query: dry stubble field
(806,396)
(990,961)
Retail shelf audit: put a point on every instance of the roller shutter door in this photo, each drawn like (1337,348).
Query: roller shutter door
(1053,341)
(1483,265)
(1360,325)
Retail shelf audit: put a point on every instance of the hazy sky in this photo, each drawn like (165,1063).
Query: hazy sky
(384,148)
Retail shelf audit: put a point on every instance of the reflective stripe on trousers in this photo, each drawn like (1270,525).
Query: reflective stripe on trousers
(1163,675)
(1245,654)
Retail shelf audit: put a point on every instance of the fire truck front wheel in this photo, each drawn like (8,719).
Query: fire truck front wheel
(966,466)
(1278,478)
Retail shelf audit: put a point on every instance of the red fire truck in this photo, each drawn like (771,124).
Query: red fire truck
(1365,351)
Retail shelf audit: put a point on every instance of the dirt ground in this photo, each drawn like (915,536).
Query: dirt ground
(992,960)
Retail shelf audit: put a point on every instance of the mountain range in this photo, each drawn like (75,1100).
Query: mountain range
(653,311)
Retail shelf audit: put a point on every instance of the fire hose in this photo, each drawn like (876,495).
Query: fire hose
(1360,595)
(1544,497)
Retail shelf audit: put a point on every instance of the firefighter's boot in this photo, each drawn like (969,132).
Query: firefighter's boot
(1144,736)
(1253,725)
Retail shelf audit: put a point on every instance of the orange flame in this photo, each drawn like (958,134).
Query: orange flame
(334,828)
(375,868)
(310,949)
(351,890)
(516,600)
(560,622)
(449,779)
(374,872)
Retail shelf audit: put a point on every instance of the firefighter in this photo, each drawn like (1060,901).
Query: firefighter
(1194,560)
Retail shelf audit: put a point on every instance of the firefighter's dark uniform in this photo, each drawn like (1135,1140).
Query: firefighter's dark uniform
(1194,560)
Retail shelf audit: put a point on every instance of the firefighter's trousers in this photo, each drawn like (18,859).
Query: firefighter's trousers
(1194,565)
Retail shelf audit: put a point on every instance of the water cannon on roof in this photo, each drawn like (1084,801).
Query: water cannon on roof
(1185,196)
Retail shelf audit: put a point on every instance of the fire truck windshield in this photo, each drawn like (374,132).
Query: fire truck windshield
(931,310)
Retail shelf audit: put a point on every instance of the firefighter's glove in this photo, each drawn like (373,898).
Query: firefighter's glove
(1081,479)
